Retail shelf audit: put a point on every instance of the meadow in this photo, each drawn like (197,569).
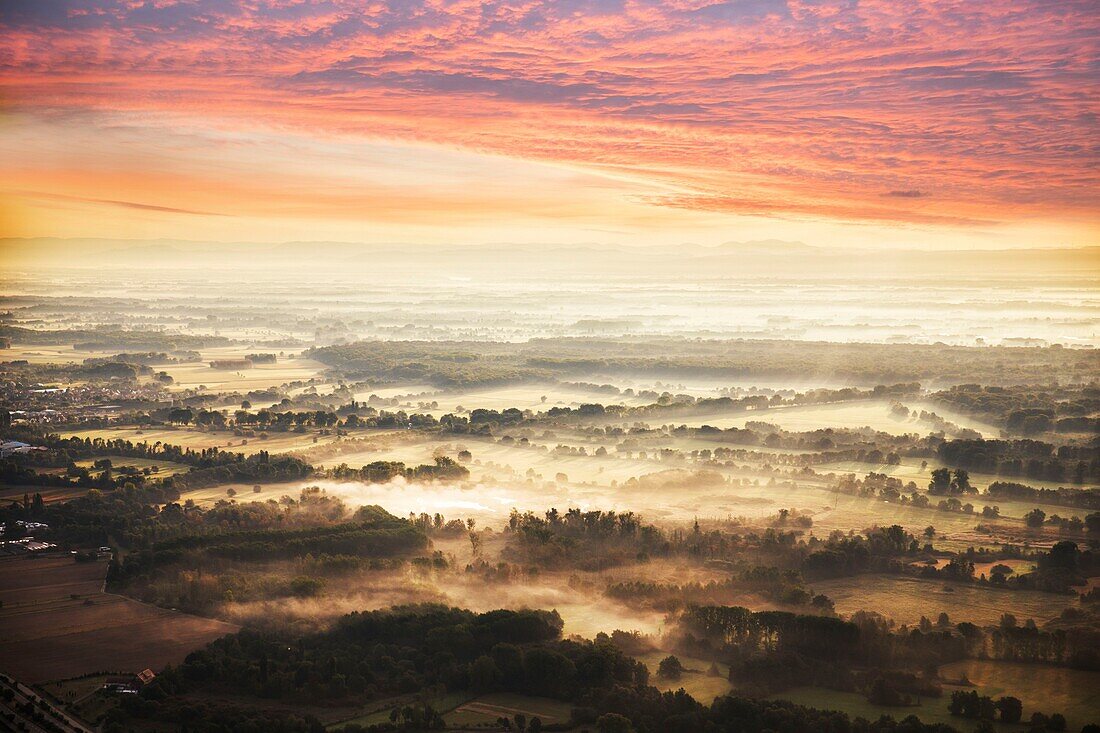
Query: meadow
(909,469)
(164,468)
(875,414)
(486,709)
(695,680)
(199,439)
(930,710)
(1040,687)
(289,368)
(906,599)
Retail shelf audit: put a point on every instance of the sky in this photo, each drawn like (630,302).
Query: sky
(860,123)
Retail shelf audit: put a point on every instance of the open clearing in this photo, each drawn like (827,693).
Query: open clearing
(695,680)
(1040,687)
(488,708)
(907,599)
(164,468)
(58,624)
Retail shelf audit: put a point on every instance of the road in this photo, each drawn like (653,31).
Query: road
(24,699)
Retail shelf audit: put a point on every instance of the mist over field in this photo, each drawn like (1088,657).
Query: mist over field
(642,457)
(662,366)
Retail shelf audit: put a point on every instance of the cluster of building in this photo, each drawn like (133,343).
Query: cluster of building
(14,447)
(25,543)
(39,404)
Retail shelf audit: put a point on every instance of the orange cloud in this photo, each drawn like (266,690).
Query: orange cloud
(831,109)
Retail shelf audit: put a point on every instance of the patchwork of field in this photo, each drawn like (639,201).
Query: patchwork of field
(57,623)
(1041,688)
(907,599)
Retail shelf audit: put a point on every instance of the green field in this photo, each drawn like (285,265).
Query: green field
(378,711)
(695,681)
(166,468)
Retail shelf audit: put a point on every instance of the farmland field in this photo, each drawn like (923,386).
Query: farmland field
(57,623)
(198,439)
(931,709)
(49,494)
(1041,688)
(695,679)
(907,599)
(909,470)
(875,414)
(486,709)
(191,375)
(165,468)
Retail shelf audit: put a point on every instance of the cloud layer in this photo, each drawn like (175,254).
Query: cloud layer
(928,113)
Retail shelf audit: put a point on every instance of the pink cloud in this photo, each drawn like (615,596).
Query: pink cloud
(768,107)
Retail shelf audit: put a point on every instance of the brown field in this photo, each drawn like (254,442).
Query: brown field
(906,599)
(57,623)
(50,494)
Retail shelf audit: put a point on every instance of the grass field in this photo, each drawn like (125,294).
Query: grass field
(213,494)
(378,711)
(907,599)
(70,690)
(695,681)
(1040,688)
(488,708)
(166,468)
(931,709)
(58,624)
(197,439)
(259,376)
(50,354)
(874,414)
(50,494)
(909,470)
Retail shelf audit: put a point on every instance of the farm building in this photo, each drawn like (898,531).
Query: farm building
(129,684)
(11,447)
